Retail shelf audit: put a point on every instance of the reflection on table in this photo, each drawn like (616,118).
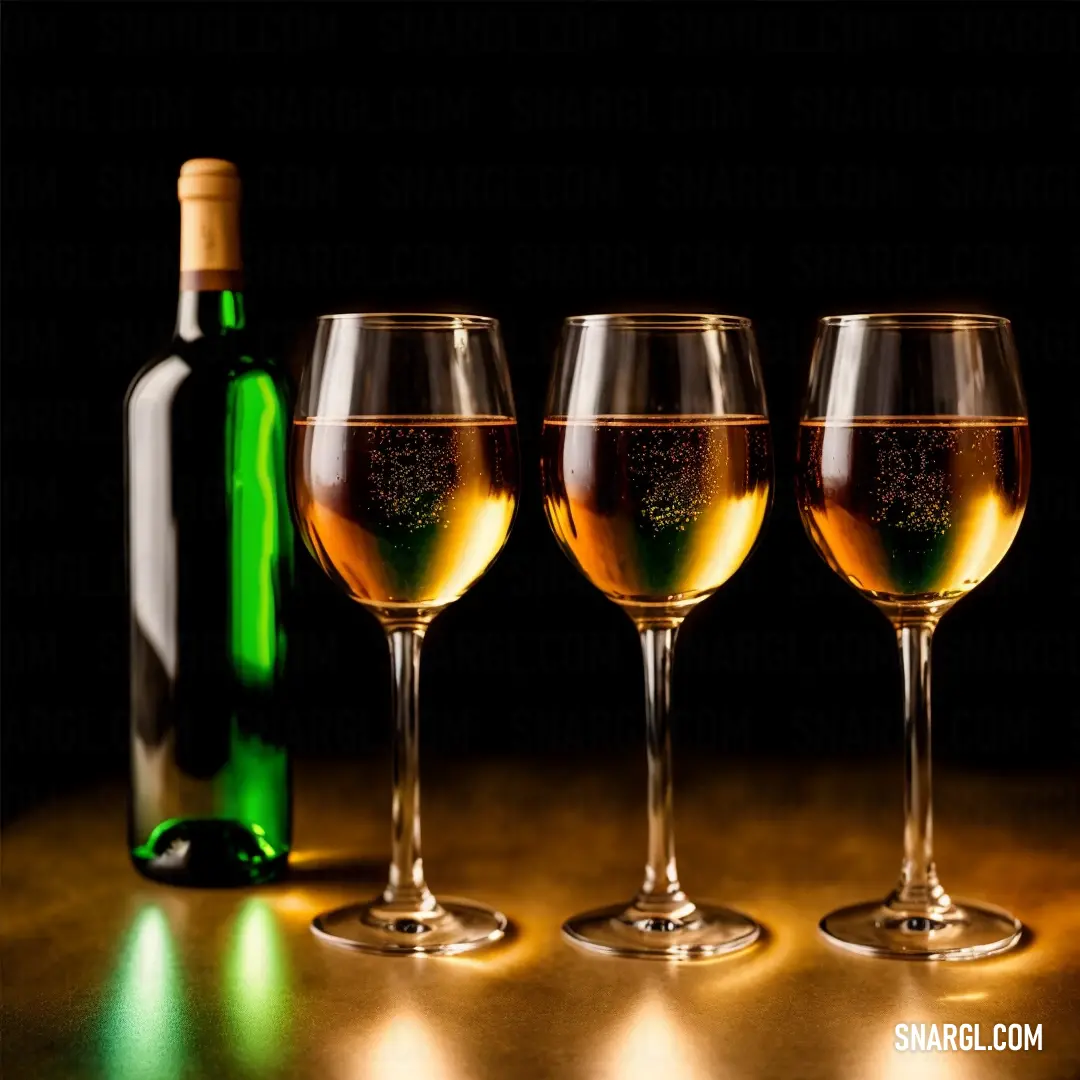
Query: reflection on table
(110,977)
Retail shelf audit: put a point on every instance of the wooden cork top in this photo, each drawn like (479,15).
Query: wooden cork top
(209,193)
(209,178)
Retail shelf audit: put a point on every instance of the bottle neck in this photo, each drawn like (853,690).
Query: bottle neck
(207,312)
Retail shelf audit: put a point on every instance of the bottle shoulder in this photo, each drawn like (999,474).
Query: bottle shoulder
(201,368)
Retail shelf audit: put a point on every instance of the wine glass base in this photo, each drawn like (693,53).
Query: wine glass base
(456,926)
(702,932)
(964,931)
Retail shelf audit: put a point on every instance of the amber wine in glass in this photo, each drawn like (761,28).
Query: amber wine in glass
(657,475)
(406,511)
(655,510)
(405,485)
(914,463)
(914,508)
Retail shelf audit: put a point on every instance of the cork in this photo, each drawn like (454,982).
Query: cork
(209,178)
(209,193)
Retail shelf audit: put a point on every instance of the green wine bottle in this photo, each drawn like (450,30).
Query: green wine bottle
(210,570)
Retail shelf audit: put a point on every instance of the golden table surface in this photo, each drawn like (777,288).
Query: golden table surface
(107,975)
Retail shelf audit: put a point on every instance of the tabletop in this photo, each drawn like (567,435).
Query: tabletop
(107,975)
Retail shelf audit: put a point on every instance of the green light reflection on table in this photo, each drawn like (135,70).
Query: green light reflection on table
(143,1022)
(257,986)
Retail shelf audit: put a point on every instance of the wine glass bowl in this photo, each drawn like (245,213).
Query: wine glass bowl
(913,477)
(914,469)
(657,474)
(657,505)
(406,474)
(405,486)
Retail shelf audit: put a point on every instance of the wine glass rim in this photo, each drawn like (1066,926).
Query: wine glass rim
(924,320)
(413,320)
(663,320)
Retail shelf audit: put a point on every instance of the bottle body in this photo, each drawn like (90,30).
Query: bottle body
(210,563)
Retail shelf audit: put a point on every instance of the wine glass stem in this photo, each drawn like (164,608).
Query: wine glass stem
(661,890)
(918,885)
(406,889)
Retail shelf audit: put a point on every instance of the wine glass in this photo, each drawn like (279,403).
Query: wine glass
(657,474)
(405,486)
(913,475)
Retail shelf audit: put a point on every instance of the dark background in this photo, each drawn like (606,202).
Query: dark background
(530,162)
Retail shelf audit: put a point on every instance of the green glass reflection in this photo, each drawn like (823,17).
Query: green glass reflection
(232,310)
(261,532)
(143,1024)
(256,985)
(253,789)
(148,849)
